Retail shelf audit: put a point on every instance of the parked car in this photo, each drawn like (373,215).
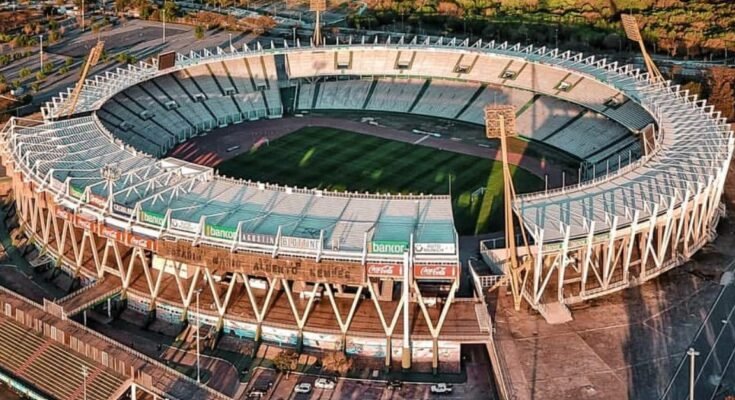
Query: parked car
(256,394)
(441,388)
(302,388)
(394,384)
(324,383)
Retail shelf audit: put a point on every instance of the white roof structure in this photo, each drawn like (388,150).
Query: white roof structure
(693,143)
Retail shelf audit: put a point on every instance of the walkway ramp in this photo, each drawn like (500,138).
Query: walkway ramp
(91,295)
(555,313)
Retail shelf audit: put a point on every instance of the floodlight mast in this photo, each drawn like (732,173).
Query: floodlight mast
(318,6)
(500,124)
(94,56)
(633,32)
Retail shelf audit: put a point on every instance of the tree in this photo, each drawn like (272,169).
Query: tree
(286,361)
(336,362)
(172,10)
(35,86)
(199,32)
(68,62)
(40,76)
(721,84)
(53,36)
(25,72)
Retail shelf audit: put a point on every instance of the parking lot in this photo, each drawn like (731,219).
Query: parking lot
(283,389)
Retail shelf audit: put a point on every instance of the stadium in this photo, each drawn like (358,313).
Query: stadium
(374,274)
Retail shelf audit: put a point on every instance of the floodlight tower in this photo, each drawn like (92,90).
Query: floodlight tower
(633,32)
(500,122)
(318,6)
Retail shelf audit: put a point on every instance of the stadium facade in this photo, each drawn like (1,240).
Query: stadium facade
(329,270)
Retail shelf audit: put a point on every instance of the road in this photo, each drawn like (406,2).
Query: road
(715,342)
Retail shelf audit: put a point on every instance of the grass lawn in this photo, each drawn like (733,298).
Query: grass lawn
(333,159)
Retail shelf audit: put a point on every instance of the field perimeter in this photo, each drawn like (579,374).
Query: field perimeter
(334,159)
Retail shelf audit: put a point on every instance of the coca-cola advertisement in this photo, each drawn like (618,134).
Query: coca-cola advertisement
(138,241)
(434,271)
(85,222)
(384,270)
(111,233)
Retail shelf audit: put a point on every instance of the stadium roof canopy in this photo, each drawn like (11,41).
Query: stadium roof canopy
(693,142)
(170,196)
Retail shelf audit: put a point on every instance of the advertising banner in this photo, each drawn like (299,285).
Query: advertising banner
(204,319)
(366,347)
(387,270)
(76,192)
(140,241)
(112,233)
(257,238)
(434,248)
(184,225)
(299,243)
(152,217)
(240,329)
(97,200)
(219,232)
(322,341)
(435,271)
(421,350)
(85,222)
(122,209)
(280,336)
(63,213)
(388,246)
(263,265)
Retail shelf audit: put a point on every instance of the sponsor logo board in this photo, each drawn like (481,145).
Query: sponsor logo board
(434,271)
(388,246)
(85,222)
(184,225)
(122,209)
(97,200)
(434,248)
(140,241)
(299,243)
(219,232)
(258,238)
(76,192)
(152,217)
(384,270)
(111,233)
(63,213)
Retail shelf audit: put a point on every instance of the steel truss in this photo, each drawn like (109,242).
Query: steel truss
(84,253)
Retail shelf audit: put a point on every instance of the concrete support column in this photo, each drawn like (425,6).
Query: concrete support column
(258,332)
(388,352)
(435,356)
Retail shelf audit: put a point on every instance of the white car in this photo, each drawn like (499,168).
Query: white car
(324,383)
(441,388)
(302,388)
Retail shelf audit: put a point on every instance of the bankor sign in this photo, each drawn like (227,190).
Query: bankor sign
(262,265)
(388,246)
(435,271)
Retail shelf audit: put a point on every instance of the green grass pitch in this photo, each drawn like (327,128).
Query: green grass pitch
(333,159)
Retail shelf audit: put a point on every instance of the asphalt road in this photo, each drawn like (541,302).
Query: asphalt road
(715,343)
